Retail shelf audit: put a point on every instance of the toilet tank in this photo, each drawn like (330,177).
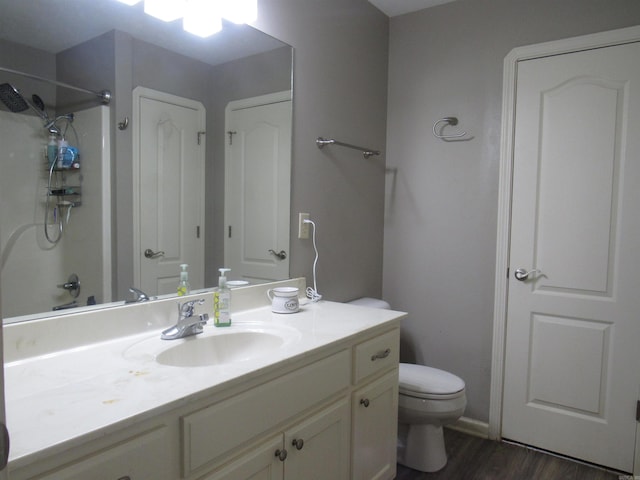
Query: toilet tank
(371,302)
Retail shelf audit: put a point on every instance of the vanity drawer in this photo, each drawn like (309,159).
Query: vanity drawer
(210,435)
(147,456)
(376,355)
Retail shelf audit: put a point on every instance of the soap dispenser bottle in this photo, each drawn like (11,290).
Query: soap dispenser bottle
(222,301)
(183,286)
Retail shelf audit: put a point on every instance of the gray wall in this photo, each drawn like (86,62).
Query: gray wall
(340,88)
(441,207)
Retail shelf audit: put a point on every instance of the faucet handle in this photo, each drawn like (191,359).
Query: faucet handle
(186,308)
(140,295)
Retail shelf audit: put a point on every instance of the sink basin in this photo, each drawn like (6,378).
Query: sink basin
(217,349)
(216,346)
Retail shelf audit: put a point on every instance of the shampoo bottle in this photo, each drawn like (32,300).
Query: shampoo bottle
(222,301)
(183,286)
(52,150)
(62,151)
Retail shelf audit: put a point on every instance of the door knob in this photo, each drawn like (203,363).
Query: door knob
(151,254)
(522,274)
(281,254)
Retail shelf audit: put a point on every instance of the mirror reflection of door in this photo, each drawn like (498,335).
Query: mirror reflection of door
(168,190)
(257,187)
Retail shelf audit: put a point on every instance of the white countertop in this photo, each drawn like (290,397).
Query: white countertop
(60,398)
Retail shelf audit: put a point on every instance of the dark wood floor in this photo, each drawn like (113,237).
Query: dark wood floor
(472,458)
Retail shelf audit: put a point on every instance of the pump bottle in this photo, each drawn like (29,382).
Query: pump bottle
(184,287)
(52,150)
(222,301)
(62,152)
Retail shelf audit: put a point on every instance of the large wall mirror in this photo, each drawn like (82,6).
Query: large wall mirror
(64,225)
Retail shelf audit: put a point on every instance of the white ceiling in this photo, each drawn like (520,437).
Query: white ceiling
(393,8)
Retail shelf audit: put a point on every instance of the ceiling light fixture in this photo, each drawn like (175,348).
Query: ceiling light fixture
(201,17)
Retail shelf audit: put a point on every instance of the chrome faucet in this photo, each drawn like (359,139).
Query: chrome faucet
(187,324)
(140,296)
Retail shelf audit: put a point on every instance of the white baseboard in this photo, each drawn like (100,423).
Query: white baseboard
(471,426)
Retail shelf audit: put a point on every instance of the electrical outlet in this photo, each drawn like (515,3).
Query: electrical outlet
(303,228)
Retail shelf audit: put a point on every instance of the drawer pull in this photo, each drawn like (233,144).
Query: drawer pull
(383,354)
(365,402)
(281,454)
(298,443)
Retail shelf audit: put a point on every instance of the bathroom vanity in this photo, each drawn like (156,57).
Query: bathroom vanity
(297,396)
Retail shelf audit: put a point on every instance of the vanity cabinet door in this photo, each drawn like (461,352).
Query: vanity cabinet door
(260,464)
(318,448)
(145,457)
(314,449)
(375,429)
(212,435)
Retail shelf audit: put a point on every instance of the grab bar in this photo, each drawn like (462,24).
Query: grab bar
(366,152)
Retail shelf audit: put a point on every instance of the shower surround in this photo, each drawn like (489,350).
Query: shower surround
(31,267)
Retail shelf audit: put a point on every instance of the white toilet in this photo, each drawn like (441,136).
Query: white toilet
(428,399)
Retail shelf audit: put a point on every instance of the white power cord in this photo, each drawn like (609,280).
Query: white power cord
(312,293)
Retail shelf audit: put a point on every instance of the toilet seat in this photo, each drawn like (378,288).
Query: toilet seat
(420,381)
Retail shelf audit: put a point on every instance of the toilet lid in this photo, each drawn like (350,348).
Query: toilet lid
(419,380)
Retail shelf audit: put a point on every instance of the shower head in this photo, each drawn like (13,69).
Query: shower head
(15,102)
(37,101)
(12,98)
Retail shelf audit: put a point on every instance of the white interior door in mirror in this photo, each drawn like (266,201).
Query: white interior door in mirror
(257,187)
(168,190)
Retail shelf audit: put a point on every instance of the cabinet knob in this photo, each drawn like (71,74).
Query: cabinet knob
(365,402)
(281,454)
(298,443)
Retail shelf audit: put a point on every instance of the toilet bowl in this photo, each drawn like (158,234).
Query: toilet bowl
(428,399)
